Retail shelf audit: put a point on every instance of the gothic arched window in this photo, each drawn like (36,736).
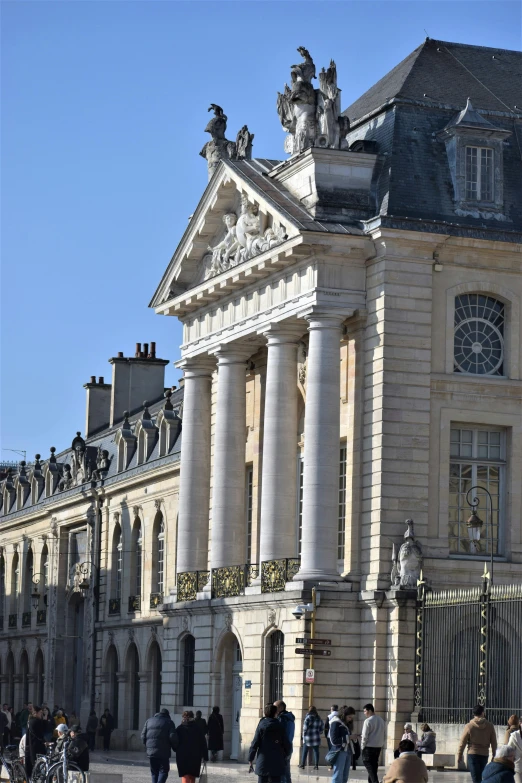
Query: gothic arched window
(189,658)
(479,335)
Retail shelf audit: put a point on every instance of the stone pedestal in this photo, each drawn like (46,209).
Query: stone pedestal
(321,450)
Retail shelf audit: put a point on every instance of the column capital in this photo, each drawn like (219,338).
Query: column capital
(197,366)
(325,318)
(233,353)
(284,332)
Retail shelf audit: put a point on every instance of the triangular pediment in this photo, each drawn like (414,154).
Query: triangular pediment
(234,222)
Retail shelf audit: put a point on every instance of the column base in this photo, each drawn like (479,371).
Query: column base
(317,575)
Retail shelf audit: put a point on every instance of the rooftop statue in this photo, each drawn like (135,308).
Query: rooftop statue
(312,116)
(220,148)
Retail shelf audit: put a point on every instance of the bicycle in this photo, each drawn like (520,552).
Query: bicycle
(59,771)
(42,765)
(10,761)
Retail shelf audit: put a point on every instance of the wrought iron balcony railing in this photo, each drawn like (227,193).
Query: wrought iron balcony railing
(156,599)
(232,580)
(190,583)
(134,603)
(1,623)
(26,619)
(114,605)
(276,573)
(13,620)
(41,617)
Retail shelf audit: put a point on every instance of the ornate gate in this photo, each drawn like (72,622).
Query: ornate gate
(468,652)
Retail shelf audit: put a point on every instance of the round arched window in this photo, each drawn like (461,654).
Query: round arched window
(479,335)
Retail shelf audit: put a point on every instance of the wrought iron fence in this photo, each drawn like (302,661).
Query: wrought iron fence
(468,652)
(134,603)
(114,605)
(13,620)
(232,580)
(276,573)
(26,619)
(41,616)
(190,583)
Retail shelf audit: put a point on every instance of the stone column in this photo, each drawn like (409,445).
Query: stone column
(278,536)
(194,489)
(228,480)
(321,449)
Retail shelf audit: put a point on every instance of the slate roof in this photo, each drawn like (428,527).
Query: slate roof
(105,439)
(449,73)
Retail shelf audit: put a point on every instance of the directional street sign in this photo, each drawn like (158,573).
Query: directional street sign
(304,640)
(308,651)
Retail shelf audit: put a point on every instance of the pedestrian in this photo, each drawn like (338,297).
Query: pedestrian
(408,767)
(200,721)
(7,725)
(160,738)
(192,749)
(313,727)
(372,741)
(49,724)
(340,754)
(216,729)
(269,748)
(22,748)
(3,727)
(287,720)
(349,712)
(515,741)
(106,728)
(35,742)
(477,736)
(59,719)
(334,712)
(22,718)
(502,768)
(90,728)
(427,742)
(79,748)
(513,725)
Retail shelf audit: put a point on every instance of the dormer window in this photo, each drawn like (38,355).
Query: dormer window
(479,174)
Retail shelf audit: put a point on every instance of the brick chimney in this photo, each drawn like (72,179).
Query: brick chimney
(134,379)
(98,409)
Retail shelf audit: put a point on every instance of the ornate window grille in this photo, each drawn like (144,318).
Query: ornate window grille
(477,458)
(479,174)
(189,656)
(341,530)
(479,335)
(277,653)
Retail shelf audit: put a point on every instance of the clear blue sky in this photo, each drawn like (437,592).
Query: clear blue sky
(103,110)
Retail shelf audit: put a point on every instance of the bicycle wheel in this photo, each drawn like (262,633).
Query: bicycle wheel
(17,773)
(39,770)
(55,774)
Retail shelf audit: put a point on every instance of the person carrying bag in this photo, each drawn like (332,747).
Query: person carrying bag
(340,754)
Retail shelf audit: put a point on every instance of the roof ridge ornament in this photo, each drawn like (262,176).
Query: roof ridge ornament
(312,116)
(220,148)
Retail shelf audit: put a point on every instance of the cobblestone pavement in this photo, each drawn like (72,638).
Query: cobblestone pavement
(134,769)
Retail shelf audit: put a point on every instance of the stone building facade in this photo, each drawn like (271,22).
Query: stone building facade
(352,359)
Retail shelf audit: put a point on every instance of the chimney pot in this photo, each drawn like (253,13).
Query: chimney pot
(93,379)
(120,354)
(152,350)
(138,351)
(146,350)
(101,379)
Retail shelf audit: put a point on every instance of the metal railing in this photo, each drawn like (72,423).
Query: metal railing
(114,605)
(190,583)
(26,619)
(13,620)
(276,573)
(156,599)
(474,636)
(134,603)
(41,617)
(228,581)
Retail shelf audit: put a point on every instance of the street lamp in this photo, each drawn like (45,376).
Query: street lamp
(35,592)
(83,578)
(475,524)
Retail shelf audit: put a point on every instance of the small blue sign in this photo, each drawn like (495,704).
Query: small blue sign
(248,683)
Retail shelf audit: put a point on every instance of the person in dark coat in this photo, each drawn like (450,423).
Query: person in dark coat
(502,768)
(35,742)
(159,737)
(192,748)
(270,748)
(107,727)
(78,749)
(216,729)
(201,722)
(90,728)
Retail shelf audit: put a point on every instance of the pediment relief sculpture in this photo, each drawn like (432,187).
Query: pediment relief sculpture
(244,239)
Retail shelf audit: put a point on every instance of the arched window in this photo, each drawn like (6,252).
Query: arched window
(112,668)
(155,665)
(24,676)
(2,586)
(39,678)
(137,557)
(276,665)
(479,335)
(15,582)
(10,674)
(28,581)
(134,682)
(158,555)
(117,562)
(44,575)
(189,658)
